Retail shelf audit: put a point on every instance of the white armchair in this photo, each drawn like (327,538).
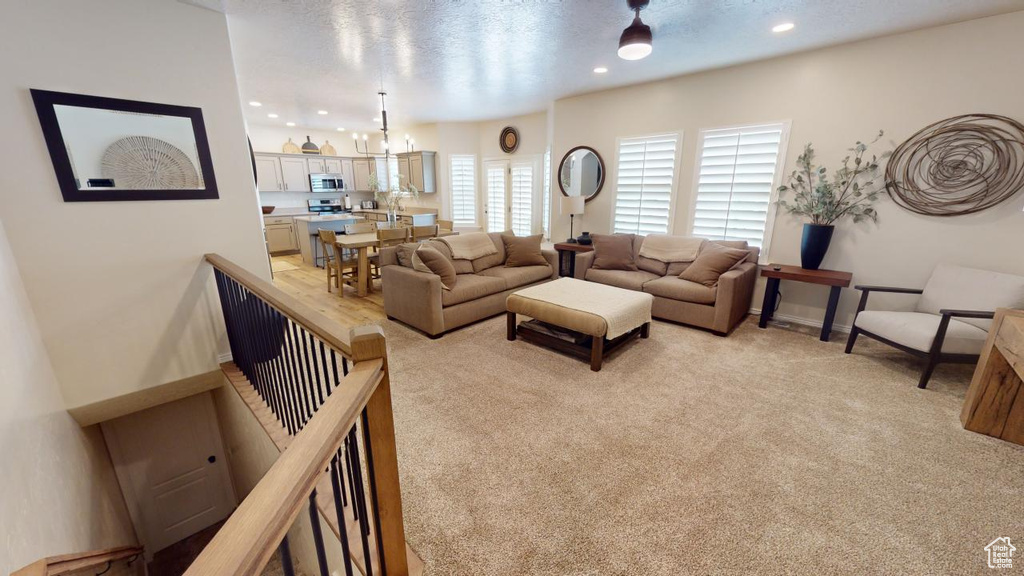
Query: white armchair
(952,318)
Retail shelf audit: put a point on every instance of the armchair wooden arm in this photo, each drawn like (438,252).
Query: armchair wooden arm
(867,290)
(967,313)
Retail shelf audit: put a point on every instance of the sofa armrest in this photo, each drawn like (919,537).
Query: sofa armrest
(552,257)
(735,292)
(413,297)
(584,260)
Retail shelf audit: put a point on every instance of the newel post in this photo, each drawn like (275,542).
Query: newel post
(368,343)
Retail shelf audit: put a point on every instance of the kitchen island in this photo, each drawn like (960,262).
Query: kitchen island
(408,217)
(308,228)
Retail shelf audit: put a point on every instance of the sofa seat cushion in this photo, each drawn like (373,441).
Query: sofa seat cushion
(917,330)
(518,276)
(628,279)
(683,290)
(470,287)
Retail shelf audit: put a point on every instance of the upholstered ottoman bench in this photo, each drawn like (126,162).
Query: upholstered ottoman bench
(584,319)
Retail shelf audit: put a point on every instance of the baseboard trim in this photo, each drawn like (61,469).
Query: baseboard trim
(802,321)
(222,358)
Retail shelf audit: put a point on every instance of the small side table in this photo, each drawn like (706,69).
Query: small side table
(567,257)
(834,278)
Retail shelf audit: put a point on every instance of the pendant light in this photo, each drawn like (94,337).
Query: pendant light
(635,42)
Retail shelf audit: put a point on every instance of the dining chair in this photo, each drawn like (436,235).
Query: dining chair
(387,237)
(420,233)
(361,228)
(445,226)
(335,261)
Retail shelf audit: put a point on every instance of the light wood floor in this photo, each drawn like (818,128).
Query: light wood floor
(309,284)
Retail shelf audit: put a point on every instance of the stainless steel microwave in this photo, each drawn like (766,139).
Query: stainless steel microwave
(326,183)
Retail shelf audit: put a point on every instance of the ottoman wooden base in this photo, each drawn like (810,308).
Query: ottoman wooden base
(594,348)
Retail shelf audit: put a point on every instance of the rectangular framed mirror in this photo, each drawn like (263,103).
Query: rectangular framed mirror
(108,149)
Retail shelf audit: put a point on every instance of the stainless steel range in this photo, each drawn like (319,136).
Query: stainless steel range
(321,206)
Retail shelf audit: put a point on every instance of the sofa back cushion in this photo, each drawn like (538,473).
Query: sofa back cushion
(713,261)
(404,253)
(614,252)
(740,245)
(958,288)
(461,266)
(523,251)
(496,259)
(426,258)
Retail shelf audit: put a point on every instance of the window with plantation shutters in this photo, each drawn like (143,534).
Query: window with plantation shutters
(546,202)
(644,183)
(521,206)
(463,183)
(496,196)
(736,177)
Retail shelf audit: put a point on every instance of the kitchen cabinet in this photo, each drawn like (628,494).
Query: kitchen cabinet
(316,166)
(268,174)
(363,168)
(348,175)
(281,234)
(295,174)
(417,168)
(332,166)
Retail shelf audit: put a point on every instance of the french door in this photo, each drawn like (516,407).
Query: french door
(510,188)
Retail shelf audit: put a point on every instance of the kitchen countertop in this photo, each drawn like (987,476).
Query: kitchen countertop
(286,211)
(407,212)
(329,218)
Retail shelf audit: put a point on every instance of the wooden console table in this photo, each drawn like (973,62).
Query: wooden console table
(567,257)
(834,278)
(995,401)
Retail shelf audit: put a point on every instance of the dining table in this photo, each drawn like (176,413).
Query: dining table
(361,243)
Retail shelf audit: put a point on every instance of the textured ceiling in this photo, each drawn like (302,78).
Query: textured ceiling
(445,60)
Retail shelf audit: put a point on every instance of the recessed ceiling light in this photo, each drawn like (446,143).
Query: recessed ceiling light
(376,119)
(255,103)
(322,112)
(784,27)
(271,115)
(289,123)
(341,129)
(600,70)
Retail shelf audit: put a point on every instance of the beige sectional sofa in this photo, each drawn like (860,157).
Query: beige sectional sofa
(418,300)
(719,308)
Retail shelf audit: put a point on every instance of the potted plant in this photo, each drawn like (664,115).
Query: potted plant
(850,192)
(391,199)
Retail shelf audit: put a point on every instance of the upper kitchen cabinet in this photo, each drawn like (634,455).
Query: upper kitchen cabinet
(268,174)
(295,174)
(348,174)
(317,166)
(332,166)
(363,168)
(417,168)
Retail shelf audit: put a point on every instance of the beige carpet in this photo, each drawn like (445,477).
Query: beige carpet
(765,452)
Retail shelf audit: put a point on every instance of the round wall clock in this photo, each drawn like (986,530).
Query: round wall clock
(509,139)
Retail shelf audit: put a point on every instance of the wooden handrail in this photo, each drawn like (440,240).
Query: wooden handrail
(71,563)
(301,314)
(249,538)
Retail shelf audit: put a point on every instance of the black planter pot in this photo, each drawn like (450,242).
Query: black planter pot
(814,245)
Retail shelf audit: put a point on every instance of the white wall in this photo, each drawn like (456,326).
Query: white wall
(119,290)
(834,97)
(59,492)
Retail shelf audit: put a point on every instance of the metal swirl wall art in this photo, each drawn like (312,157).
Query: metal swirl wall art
(958,166)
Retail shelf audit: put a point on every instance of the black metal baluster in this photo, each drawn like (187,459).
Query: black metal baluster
(339,509)
(225,310)
(318,536)
(316,371)
(323,362)
(295,383)
(251,371)
(374,500)
(263,341)
(309,373)
(334,369)
(344,366)
(341,477)
(286,557)
(360,501)
(291,391)
(351,475)
(278,360)
(308,408)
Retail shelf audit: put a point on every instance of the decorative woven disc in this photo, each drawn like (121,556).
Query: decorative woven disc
(290,147)
(958,166)
(145,163)
(509,139)
(327,149)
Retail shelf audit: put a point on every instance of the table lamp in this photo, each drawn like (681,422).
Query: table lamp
(572,205)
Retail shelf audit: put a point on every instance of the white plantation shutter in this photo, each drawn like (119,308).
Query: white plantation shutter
(463,190)
(393,174)
(496,196)
(546,202)
(643,195)
(522,199)
(735,182)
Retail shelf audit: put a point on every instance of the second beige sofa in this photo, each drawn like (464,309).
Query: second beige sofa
(719,308)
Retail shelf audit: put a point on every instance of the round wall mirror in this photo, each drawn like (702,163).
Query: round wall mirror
(581,173)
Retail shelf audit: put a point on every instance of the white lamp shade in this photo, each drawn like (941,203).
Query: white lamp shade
(572,204)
